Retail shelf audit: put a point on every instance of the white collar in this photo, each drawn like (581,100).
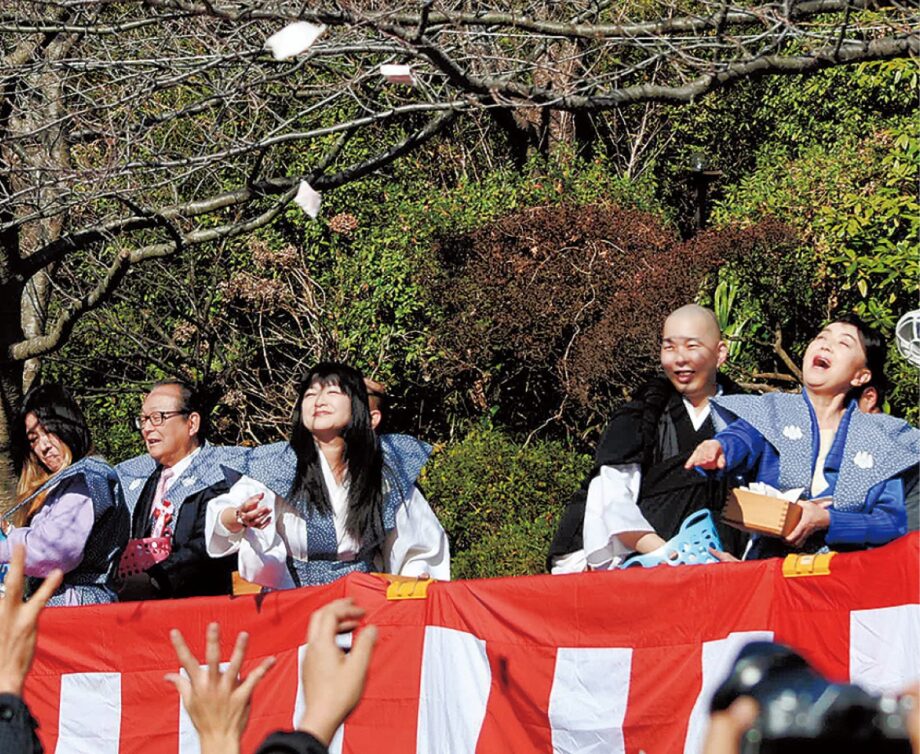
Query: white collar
(332,484)
(698,417)
(178,469)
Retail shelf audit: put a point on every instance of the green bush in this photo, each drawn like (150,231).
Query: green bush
(500,500)
(855,205)
(736,128)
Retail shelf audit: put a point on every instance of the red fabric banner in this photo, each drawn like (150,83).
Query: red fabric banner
(620,661)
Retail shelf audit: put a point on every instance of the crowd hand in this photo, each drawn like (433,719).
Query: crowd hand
(708,455)
(912,695)
(217,702)
(728,726)
(19,622)
(815,516)
(332,680)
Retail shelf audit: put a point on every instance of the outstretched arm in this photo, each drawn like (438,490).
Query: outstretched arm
(19,623)
(332,681)
(18,632)
(738,448)
(708,456)
(57,537)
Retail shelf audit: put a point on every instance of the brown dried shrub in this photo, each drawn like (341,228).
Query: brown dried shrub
(344,223)
(558,310)
(270,257)
(255,292)
(622,346)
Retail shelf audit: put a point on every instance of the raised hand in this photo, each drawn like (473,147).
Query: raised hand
(19,622)
(332,680)
(708,455)
(727,727)
(217,702)
(249,514)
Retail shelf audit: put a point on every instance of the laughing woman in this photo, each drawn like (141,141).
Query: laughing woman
(70,512)
(819,441)
(349,500)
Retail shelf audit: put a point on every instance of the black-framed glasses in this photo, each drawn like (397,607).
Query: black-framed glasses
(156,418)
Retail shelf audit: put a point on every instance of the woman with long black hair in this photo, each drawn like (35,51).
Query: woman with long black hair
(69,511)
(334,499)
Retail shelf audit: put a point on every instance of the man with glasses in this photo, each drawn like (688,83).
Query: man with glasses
(168,489)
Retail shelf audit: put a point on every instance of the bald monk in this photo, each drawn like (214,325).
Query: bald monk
(638,493)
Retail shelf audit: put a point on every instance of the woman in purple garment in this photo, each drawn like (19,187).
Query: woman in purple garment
(69,511)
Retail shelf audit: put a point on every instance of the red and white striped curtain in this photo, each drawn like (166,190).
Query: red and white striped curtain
(602,662)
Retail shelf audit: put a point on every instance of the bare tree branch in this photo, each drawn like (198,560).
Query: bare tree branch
(132,128)
(780,351)
(104,288)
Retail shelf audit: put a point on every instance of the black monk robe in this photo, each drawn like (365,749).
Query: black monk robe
(654,431)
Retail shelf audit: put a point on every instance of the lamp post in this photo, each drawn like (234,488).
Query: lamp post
(700,177)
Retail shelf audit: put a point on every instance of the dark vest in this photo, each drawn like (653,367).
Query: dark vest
(140,525)
(669,492)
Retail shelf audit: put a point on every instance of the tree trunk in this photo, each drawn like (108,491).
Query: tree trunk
(10,400)
(34,310)
(34,129)
(10,397)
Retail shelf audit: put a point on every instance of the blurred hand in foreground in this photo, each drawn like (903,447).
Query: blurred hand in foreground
(217,702)
(333,681)
(19,623)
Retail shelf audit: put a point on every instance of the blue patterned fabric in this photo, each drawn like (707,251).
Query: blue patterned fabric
(875,447)
(786,425)
(275,466)
(91,581)
(775,442)
(203,471)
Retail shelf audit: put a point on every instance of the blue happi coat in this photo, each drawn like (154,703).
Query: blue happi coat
(204,471)
(92,580)
(774,439)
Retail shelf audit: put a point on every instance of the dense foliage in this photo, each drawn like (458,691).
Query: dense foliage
(499,500)
(844,174)
(510,306)
(552,313)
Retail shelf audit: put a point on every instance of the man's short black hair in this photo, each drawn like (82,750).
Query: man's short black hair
(194,399)
(876,350)
(881,391)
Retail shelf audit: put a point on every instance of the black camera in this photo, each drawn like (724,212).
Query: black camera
(801,711)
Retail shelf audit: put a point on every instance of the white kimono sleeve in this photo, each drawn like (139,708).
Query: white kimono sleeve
(573,562)
(612,509)
(262,552)
(418,543)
